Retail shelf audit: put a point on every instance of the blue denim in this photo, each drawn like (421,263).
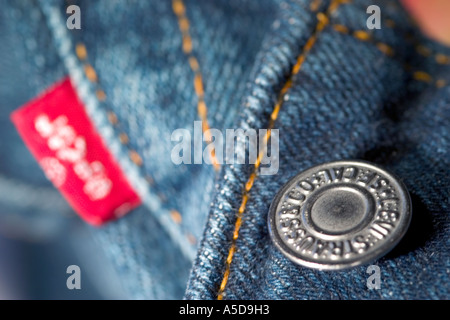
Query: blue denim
(352,99)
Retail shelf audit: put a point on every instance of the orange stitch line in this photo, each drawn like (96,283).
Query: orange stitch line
(362,35)
(442,58)
(340,28)
(187,45)
(385,49)
(250,181)
(424,51)
(194,64)
(297,66)
(81,51)
(123,137)
(179,8)
(101,95)
(276,110)
(215,163)
(267,136)
(309,44)
(422,76)
(321,23)
(235,237)
(90,73)
(112,118)
(288,84)
(198,85)
(323,20)
(417,75)
(421,49)
(314,5)
(202,109)
(176,216)
(230,256)
(183,22)
(136,158)
(258,160)
(243,205)
(438,57)
(205,129)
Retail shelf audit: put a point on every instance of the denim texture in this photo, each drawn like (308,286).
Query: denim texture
(351,99)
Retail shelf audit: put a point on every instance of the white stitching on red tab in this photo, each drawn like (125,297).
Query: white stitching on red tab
(69,147)
(54,171)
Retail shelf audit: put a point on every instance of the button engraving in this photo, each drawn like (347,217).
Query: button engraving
(339,215)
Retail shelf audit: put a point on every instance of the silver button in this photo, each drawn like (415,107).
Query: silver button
(339,215)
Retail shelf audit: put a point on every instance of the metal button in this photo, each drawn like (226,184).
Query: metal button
(339,215)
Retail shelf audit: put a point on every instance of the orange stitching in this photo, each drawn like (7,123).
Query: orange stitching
(314,5)
(365,36)
(422,76)
(176,216)
(389,51)
(183,22)
(442,58)
(81,51)
(321,23)
(439,58)
(426,77)
(422,50)
(123,137)
(91,74)
(386,49)
(100,95)
(112,118)
(362,35)
(136,158)
(340,28)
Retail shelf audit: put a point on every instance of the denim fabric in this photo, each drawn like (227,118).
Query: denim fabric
(351,99)
(39,234)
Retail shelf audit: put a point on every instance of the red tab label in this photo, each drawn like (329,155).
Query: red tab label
(60,135)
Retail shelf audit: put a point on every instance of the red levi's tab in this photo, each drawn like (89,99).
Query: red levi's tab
(60,135)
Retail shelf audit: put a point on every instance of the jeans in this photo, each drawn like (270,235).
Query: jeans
(143,70)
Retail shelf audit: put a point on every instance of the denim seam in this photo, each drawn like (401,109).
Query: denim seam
(179,10)
(323,21)
(91,74)
(82,54)
(104,126)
